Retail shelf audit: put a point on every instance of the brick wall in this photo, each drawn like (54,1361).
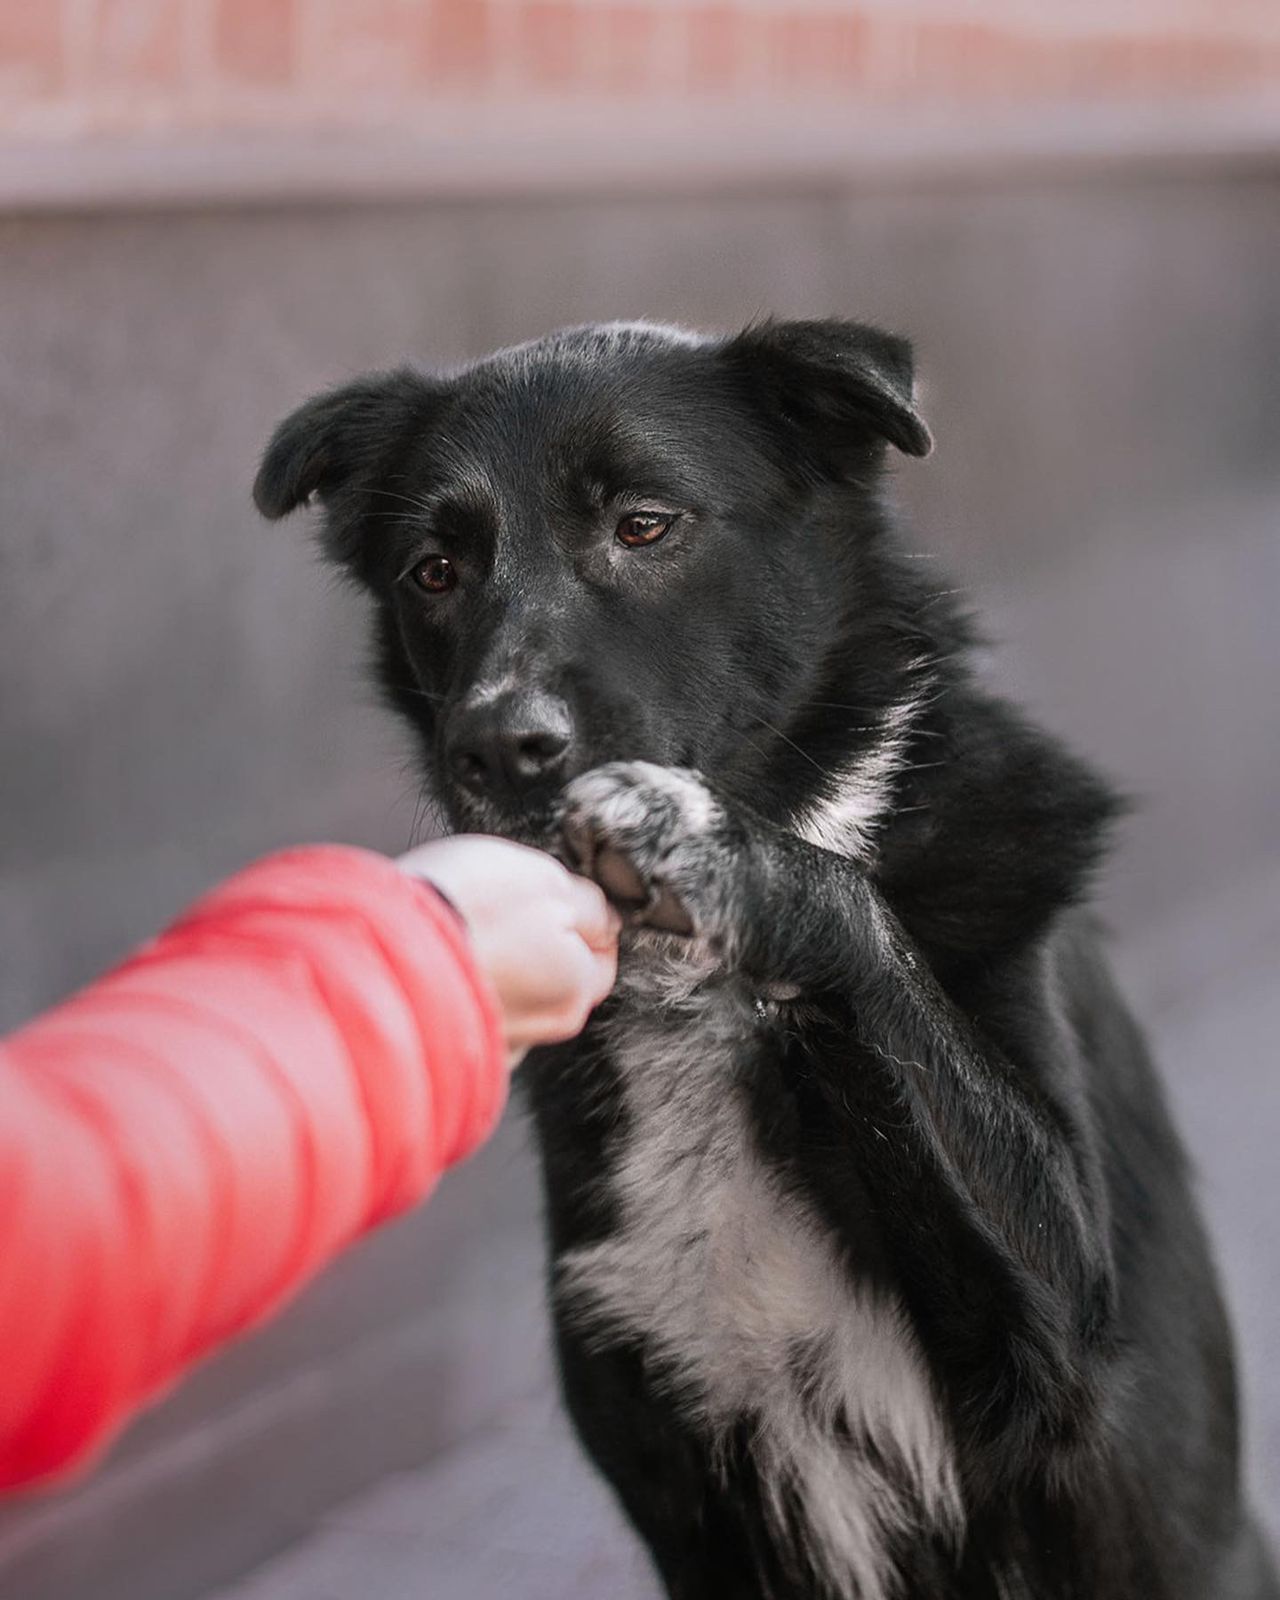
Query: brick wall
(70,67)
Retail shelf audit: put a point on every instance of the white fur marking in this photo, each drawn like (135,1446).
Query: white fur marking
(735,1284)
(624,807)
(590,335)
(698,811)
(642,327)
(509,683)
(846,820)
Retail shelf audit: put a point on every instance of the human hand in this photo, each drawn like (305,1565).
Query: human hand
(546,940)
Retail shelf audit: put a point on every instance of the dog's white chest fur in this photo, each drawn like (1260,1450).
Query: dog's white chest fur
(733,1283)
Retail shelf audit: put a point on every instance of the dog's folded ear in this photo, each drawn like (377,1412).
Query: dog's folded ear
(833,385)
(331,445)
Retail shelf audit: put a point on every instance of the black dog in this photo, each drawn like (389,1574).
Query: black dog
(876,1269)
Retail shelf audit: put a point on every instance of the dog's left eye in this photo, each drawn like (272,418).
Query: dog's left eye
(435,575)
(644,527)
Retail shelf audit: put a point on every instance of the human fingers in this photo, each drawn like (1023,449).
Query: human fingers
(593,919)
(604,973)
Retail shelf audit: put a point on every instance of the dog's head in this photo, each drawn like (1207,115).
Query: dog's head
(618,542)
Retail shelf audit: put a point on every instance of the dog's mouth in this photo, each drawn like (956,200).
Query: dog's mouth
(537,826)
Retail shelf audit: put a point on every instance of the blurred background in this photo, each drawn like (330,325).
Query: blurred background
(209,208)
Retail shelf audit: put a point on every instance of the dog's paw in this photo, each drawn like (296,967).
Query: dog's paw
(657,842)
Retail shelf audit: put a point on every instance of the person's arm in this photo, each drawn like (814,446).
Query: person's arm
(187,1141)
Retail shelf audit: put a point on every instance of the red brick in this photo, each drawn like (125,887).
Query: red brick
(1088,67)
(458,45)
(717,43)
(550,43)
(386,49)
(815,50)
(1142,66)
(30,47)
(254,40)
(1106,66)
(135,43)
(628,37)
(367,45)
(1203,65)
(960,61)
(966,59)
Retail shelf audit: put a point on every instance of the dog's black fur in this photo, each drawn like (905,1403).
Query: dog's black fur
(944,1119)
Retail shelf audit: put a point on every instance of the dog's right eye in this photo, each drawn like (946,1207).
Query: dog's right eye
(435,575)
(643,527)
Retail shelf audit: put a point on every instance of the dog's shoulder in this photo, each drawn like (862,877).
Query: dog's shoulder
(996,830)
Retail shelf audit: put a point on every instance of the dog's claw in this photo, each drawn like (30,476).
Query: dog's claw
(617,876)
(645,905)
(576,847)
(668,914)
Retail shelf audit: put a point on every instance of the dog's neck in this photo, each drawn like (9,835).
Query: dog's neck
(859,793)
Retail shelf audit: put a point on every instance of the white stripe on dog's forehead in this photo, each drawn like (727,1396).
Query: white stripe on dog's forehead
(668,332)
(598,337)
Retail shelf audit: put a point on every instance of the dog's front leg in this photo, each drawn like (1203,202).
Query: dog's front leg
(980,1169)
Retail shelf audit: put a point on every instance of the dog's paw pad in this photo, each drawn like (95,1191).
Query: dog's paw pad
(634,828)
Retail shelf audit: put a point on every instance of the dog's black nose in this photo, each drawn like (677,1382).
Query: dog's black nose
(513,741)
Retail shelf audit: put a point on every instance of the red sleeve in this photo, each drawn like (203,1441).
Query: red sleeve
(189,1140)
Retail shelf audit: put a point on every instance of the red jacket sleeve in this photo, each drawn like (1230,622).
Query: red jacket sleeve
(186,1142)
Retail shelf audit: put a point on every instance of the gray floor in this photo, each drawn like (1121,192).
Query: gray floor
(514,1511)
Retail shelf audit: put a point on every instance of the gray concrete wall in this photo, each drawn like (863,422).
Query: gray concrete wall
(182,687)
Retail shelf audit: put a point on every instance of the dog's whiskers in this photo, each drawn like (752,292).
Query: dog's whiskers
(427,810)
(422,694)
(409,500)
(836,705)
(787,739)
